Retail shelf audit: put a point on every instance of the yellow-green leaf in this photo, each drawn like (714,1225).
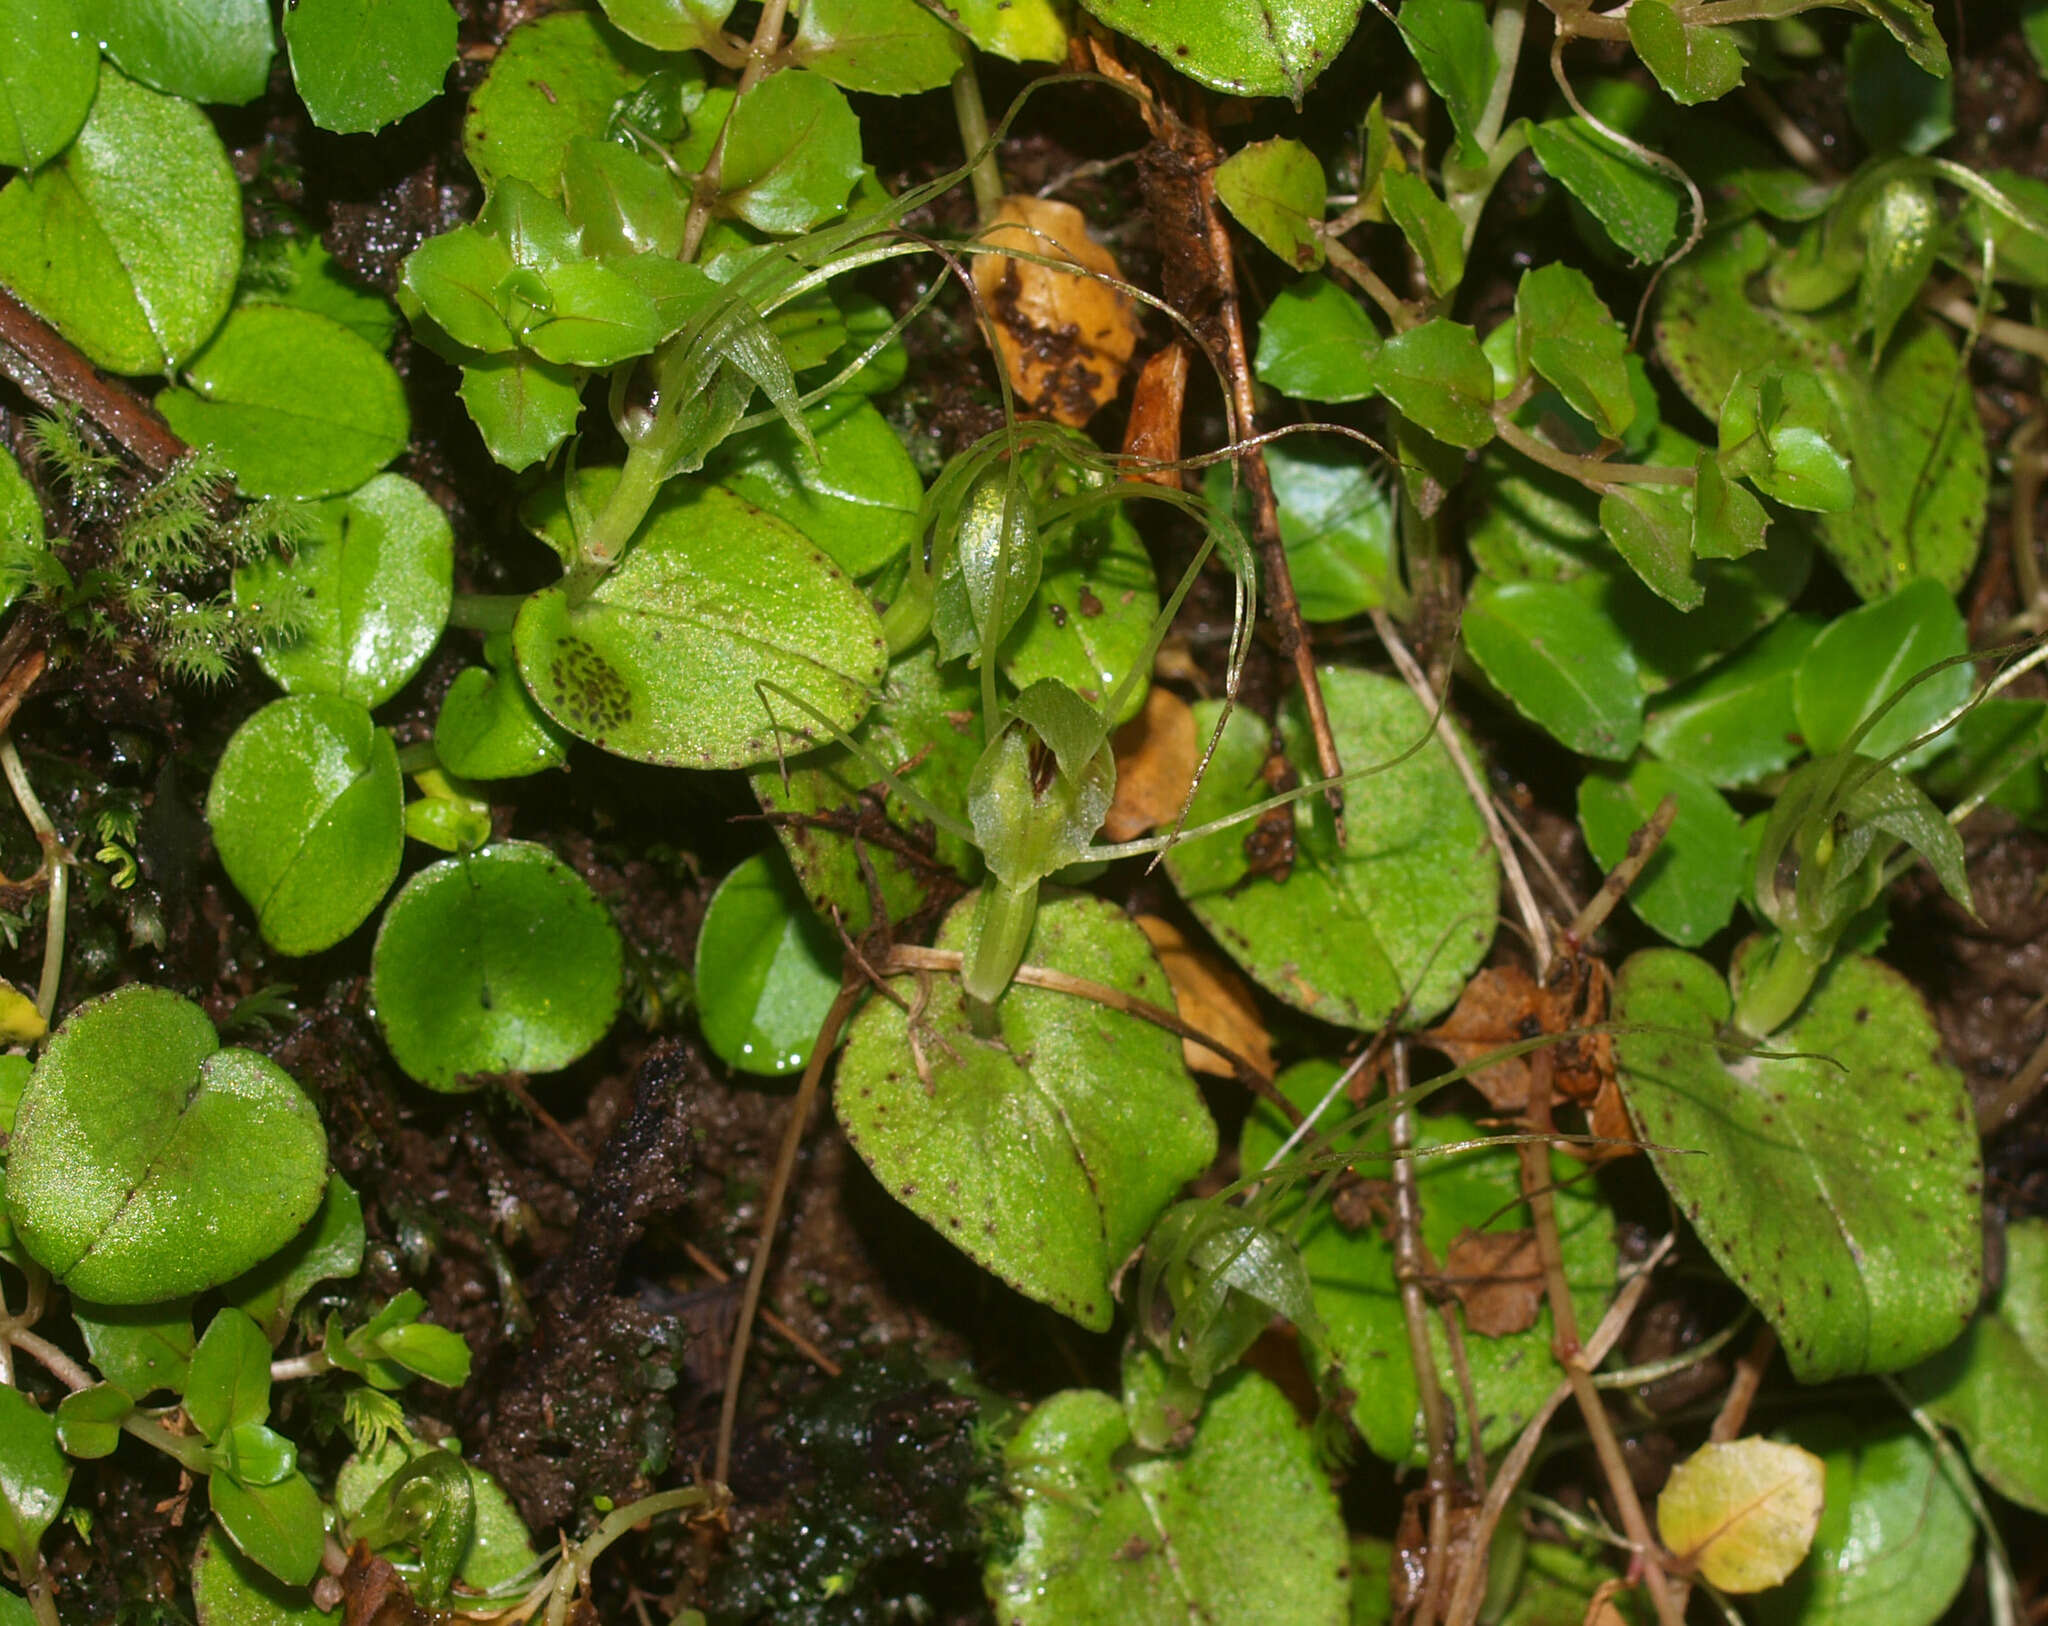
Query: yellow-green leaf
(1743,1511)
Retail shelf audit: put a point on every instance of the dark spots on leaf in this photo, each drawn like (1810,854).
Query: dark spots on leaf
(1058,612)
(1862,1013)
(593,696)
(1089,604)
(907,1192)
(1827,1288)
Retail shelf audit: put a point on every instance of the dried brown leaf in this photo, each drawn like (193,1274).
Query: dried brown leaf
(1152,433)
(1157,753)
(1498,1007)
(1211,996)
(1498,1278)
(1065,340)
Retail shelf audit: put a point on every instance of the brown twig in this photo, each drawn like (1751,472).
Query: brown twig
(1470,1590)
(1571,1353)
(1642,847)
(52,372)
(1518,883)
(909,957)
(1410,1272)
(771,1216)
(1199,278)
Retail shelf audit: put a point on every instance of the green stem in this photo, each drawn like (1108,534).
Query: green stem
(1002,929)
(419,757)
(972,117)
(485,612)
(611,533)
(56,861)
(1773,994)
(1594,472)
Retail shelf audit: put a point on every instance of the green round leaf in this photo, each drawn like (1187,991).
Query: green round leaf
(139,1347)
(1735,724)
(307,814)
(1438,376)
(1089,622)
(662,662)
(523,407)
(1017,30)
(1563,664)
(1394,919)
(792,153)
(1894,1543)
(296,404)
(1316,343)
(363,64)
(1044,1157)
(130,244)
(1688,889)
(1636,206)
(1569,338)
(47,78)
(1241,1527)
(1273,49)
(888,47)
(298,271)
(203,50)
(857,500)
(1694,62)
(557,77)
(148,1163)
(34,1476)
(229,1590)
(1862,659)
(671,25)
(767,969)
(1838,1181)
(279,1526)
(1276,189)
(1987,1386)
(1337,523)
(489,727)
(499,961)
(1351,1273)
(373,584)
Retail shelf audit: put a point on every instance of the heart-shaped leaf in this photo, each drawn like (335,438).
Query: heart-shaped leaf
(1839,1186)
(925,729)
(664,661)
(496,961)
(307,810)
(128,245)
(295,403)
(489,727)
(1393,920)
(792,152)
(1242,1526)
(1047,1153)
(372,586)
(148,1163)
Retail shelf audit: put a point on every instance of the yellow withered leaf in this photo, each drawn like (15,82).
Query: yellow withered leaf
(1743,1512)
(1065,339)
(20,1021)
